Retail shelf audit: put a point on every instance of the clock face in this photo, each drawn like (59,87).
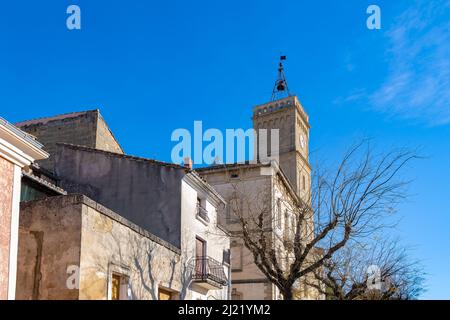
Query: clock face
(302,141)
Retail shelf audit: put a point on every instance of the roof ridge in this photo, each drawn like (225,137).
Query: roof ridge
(49,118)
(131,157)
(100,117)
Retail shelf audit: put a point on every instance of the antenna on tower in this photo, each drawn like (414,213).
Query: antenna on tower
(280,89)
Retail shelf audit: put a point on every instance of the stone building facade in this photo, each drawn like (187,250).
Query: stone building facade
(18,151)
(165,209)
(86,128)
(288,116)
(250,187)
(170,201)
(71,247)
(279,184)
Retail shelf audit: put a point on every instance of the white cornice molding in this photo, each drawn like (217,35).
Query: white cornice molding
(196,182)
(18,150)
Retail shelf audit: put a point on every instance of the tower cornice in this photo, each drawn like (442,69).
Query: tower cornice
(279,105)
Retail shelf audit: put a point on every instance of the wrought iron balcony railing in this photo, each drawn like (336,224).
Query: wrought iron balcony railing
(202,213)
(207,269)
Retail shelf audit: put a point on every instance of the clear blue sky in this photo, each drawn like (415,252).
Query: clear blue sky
(154,66)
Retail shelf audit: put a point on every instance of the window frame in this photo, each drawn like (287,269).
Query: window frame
(124,274)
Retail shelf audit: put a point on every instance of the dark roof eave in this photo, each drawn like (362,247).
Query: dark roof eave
(124,156)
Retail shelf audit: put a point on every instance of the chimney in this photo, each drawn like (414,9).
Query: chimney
(188,162)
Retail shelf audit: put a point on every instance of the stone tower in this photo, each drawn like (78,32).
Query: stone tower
(288,115)
(85,128)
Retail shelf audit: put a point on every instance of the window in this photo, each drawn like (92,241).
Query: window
(201,203)
(304,183)
(200,247)
(118,283)
(234,175)
(115,288)
(234,208)
(236,253)
(278,213)
(236,295)
(164,294)
(226,257)
(201,209)
(200,256)
(119,287)
(286,225)
(293,225)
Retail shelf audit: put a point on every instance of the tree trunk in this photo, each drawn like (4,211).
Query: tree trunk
(287,293)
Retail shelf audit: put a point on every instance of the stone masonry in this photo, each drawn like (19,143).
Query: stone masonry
(87,128)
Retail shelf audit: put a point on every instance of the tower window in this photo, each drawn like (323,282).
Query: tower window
(304,183)
(234,174)
(278,213)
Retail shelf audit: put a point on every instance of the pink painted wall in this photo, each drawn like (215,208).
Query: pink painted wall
(6,190)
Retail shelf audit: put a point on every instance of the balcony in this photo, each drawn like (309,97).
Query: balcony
(208,273)
(202,213)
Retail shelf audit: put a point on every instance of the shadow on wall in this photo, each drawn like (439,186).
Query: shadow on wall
(146,265)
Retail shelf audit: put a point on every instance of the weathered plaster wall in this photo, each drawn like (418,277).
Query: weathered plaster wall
(6,191)
(143,192)
(110,243)
(49,242)
(75,231)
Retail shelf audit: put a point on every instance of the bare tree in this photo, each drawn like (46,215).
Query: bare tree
(375,270)
(346,204)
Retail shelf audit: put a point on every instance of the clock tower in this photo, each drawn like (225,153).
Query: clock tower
(285,112)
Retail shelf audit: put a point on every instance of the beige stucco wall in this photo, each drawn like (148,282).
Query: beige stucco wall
(108,245)
(6,191)
(49,242)
(70,245)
